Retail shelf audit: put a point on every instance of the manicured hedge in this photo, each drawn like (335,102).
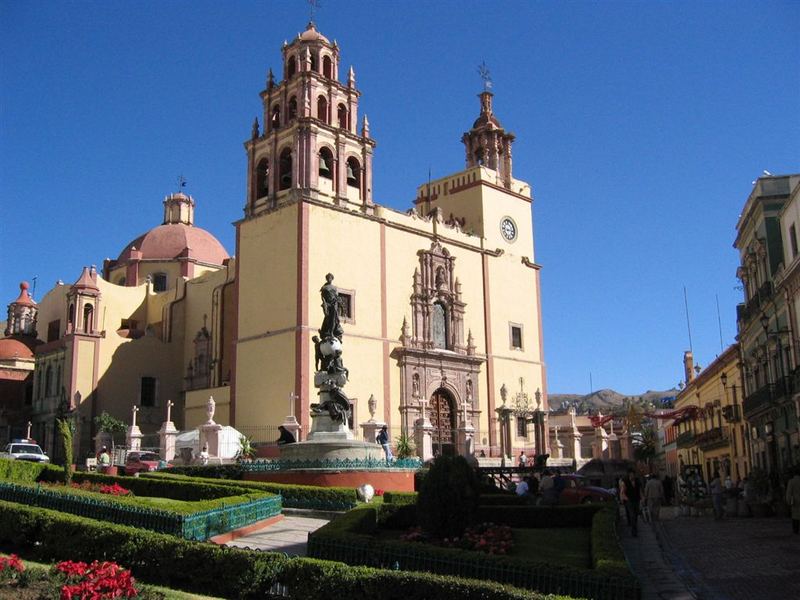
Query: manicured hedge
(503,500)
(232,471)
(294,496)
(355,546)
(399,497)
(223,571)
(535,517)
(607,555)
(26,471)
(208,518)
(187,490)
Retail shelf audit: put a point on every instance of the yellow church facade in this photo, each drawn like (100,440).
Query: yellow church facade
(441,304)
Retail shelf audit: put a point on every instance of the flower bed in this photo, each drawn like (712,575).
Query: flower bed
(224,571)
(484,537)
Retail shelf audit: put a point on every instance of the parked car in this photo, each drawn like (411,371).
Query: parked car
(25,450)
(138,462)
(578,491)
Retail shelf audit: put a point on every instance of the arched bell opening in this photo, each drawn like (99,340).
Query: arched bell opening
(285,171)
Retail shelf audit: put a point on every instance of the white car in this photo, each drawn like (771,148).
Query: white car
(25,451)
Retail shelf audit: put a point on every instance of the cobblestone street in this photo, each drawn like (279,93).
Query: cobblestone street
(736,559)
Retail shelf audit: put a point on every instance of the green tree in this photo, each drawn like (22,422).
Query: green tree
(645,449)
(448,499)
(65,433)
(107,424)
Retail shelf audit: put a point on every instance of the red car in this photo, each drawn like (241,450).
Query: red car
(577,491)
(138,462)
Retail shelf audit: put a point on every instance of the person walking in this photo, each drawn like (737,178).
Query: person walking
(716,489)
(383,440)
(793,499)
(654,496)
(633,494)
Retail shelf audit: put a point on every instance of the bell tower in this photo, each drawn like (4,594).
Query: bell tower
(309,144)
(487,143)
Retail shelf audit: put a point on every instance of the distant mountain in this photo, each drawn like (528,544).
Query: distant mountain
(609,401)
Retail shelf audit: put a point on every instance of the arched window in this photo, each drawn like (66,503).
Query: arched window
(322,109)
(353,172)
(121,281)
(71,315)
(479,156)
(291,67)
(159,282)
(262,178)
(275,121)
(326,163)
(48,382)
(341,114)
(314,62)
(327,67)
(439,322)
(88,318)
(292,108)
(285,170)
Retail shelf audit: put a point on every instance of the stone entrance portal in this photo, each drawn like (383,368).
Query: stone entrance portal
(443,419)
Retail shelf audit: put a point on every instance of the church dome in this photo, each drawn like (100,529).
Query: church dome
(312,35)
(17,347)
(169,240)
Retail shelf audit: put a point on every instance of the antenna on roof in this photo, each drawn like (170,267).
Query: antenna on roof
(33,292)
(719,323)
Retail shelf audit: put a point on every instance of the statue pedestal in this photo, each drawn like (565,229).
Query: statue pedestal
(370,430)
(167,436)
(423,438)
(292,425)
(134,438)
(323,428)
(466,441)
(209,434)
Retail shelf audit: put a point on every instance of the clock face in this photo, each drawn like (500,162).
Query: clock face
(509,229)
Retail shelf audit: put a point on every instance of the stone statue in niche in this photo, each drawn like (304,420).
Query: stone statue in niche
(469,390)
(415,386)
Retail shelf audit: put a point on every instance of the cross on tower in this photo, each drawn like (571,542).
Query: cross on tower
(312,6)
(483,71)
(181,183)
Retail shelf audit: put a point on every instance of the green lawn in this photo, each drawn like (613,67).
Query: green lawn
(564,546)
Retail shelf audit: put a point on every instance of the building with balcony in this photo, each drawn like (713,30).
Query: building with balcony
(716,438)
(767,319)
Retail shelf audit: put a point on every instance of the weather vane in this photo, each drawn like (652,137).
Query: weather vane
(483,71)
(181,183)
(312,6)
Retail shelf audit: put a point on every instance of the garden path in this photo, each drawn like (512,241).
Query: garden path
(288,535)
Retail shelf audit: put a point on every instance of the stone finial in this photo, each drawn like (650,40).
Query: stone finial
(470,343)
(270,79)
(255,133)
(365,127)
(351,78)
(417,282)
(405,333)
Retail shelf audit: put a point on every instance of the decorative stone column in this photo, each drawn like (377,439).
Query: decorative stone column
(466,436)
(167,435)
(504,419)
(134,434)
(423,435)
(625,449)
(600,443)
(209,431)
(574,435)
(558,446)
(290,423)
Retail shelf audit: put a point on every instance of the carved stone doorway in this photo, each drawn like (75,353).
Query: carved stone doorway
(443,418)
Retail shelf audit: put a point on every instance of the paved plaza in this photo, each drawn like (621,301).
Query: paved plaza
(733,559)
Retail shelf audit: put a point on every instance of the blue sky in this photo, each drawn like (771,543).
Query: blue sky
(640,126)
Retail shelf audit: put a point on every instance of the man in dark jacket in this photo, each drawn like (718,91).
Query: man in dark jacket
(632,498)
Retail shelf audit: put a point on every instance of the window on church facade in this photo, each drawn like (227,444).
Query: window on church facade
(327,67)
(292,108)
(341,114)
(326,163)
(322,109)
(439,322)
(275,121)
(53,329)
(262,178)
(88,318)
(285,173)
(353,172)
(159,282)
(515,333)
(291,67)
(147,391)
(347,306)
(522,427)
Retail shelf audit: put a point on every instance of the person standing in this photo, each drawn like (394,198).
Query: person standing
(793,499)
(633,494)
(654,496)
(523,460)
(383,440)
(715,487)
(546,489)
(104,460)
